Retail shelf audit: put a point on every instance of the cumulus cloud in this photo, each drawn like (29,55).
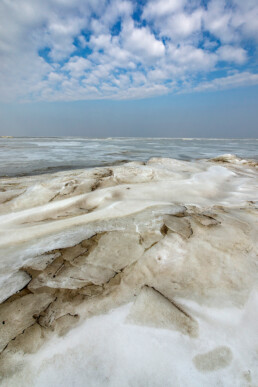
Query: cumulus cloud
(142,43)
(159,8)
(85,49)
(232,54)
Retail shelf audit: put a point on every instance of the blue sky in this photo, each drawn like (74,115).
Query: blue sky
(73,55)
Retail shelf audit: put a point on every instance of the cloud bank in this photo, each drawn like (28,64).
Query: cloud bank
(64,50)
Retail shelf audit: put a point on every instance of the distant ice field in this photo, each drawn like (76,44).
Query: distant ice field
(32,156)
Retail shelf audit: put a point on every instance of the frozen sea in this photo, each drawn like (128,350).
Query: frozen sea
(31,156)
(141,274)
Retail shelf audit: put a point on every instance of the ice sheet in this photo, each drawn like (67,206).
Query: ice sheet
(141,274)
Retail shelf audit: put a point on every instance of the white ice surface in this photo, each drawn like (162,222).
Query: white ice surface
(107,351)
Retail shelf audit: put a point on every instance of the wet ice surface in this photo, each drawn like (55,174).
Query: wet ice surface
(132,275)
(28,156)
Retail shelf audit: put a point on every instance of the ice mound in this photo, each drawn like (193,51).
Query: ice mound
(141,274)
(233,159)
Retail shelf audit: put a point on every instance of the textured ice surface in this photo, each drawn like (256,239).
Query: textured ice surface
(135,275)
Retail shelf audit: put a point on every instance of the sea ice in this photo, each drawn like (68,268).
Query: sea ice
(133,275)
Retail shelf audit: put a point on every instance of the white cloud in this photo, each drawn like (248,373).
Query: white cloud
(232,54)
(191,58)
(218,19)
(55,77)
(77,66)
(231,21)
(159,8)
(228,82)
(142,42)
(82,49)
(184,24)
(179,25)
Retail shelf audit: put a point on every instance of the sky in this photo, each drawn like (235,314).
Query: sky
(101,68)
